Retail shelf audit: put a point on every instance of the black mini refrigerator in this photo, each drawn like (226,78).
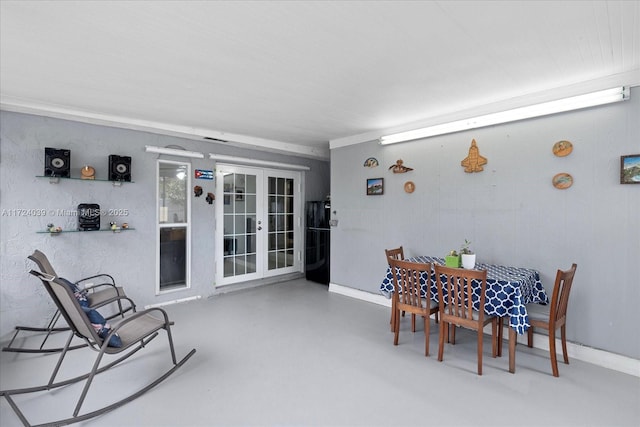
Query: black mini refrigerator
(318,236)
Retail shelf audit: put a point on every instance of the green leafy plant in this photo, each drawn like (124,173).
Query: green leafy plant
(466,250)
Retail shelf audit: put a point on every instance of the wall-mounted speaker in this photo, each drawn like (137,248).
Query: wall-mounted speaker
(119,168)
(57,162)
(88,216)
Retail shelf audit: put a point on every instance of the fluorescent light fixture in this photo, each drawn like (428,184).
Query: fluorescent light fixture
(173,152)
(567,104)
(247,161)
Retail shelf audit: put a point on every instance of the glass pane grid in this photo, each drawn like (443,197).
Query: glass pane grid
(240,207)
(280,223)
(240,223)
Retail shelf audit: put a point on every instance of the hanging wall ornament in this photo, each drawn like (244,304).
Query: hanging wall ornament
(562,148)
(371,162)
(399,167)
(409,187)
(562,181)
(474,161)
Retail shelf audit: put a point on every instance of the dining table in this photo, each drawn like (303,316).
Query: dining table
(508,291)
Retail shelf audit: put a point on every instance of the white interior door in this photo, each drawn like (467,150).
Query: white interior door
(258,223)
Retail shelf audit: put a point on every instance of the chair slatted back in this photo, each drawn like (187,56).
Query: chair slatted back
(43,262)
(456,290)
(69,307)
(395,253)
(407,283)
(560,296)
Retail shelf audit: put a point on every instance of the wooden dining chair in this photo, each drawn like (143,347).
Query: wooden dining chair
(408,296)
(397,253)
(455,295)
(553,316)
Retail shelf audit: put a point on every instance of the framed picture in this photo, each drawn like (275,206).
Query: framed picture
(375,186)
(630,169)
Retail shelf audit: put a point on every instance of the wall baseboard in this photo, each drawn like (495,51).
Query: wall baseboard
(602,358)
(175,301)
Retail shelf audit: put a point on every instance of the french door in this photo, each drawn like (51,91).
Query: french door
(258,223)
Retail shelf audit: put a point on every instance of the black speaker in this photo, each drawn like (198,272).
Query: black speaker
(88,216)
(119,168)
(57,162)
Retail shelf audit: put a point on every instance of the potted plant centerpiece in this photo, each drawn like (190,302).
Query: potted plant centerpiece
(452,260)
(467,255)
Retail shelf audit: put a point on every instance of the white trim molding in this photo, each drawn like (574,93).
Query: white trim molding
(175,301)
(597,357)
(26,106)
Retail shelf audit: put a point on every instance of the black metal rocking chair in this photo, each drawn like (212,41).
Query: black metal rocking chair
(98,295)
(135,330)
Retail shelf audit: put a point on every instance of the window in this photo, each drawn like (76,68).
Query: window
(174,206)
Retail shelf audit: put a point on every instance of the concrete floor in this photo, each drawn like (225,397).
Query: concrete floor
(293,354)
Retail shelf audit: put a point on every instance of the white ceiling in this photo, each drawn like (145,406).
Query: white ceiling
(292,76)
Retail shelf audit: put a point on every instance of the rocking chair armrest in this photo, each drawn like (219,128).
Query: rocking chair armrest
(110,278)
(95,287)
(136,315)
(118,298)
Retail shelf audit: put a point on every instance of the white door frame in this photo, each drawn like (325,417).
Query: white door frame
(262,175)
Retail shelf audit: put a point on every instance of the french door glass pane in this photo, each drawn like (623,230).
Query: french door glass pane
(280,223)
(239,198)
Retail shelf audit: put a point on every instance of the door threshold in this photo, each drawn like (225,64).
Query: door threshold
(223,289)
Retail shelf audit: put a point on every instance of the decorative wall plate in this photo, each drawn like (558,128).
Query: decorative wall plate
(409,187)
(562,181)
(371,162)
(562,148)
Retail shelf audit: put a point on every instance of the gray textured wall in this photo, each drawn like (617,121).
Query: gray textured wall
(128,256)
(510,211)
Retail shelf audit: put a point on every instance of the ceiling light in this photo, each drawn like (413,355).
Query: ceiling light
(173,152)
(544,109)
